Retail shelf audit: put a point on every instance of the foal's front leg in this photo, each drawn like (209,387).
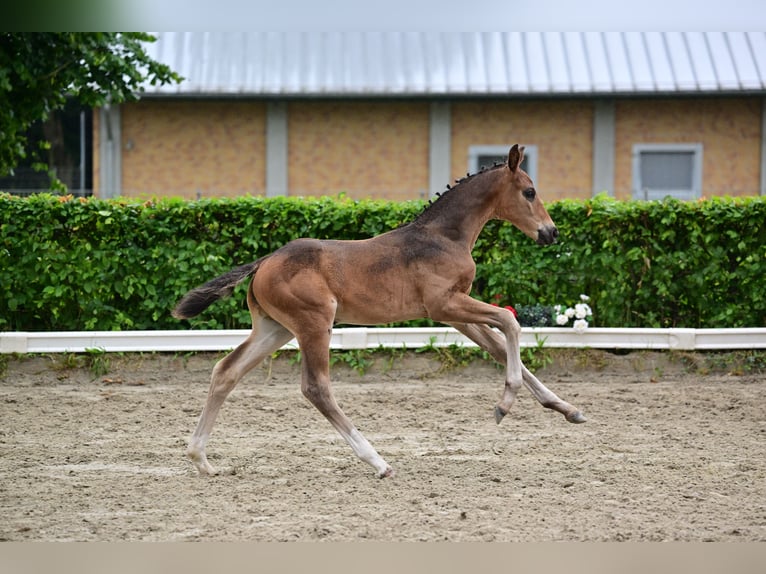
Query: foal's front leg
(463,310)
(493,343)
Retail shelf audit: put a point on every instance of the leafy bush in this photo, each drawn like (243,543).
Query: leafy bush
(644,264)
(90,264)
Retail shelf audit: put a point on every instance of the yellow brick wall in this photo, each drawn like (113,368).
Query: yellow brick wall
(728,128)
(182,148)
(380,148)
(561,129)
(365,149)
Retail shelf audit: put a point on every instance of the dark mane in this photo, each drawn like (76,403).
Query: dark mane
(428,209)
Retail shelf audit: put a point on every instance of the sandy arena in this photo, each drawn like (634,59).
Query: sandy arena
(667,453)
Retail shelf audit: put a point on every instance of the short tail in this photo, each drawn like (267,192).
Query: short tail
(199,299)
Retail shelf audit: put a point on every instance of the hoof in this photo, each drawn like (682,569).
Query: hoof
(576,417)
(386,473)
(204,468)
(499,414)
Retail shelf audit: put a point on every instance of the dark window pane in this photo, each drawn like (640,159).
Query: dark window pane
(667,170)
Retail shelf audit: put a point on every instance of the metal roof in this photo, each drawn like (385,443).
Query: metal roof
(461,63)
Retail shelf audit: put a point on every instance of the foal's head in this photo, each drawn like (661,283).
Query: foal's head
(518,201)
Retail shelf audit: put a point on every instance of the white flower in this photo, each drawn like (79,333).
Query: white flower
(582,310)
(580,325)
(580,313)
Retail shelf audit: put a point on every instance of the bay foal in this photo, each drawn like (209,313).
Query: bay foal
(422,269)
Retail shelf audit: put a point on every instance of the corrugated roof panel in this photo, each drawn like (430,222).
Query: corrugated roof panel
(616,52)
(252,72)
(757,42)
(379,63)
(331,78)
(398,59)
(220,72)
(214,71)
(496,65)
(598,63)
(312,71)
(340,70)
(680,65)
(208,48)
(352,74)
(476,70)
(517,64)
(558,68)
(434,63)
(293,47)
(454,60)
(414,64)
(391,60)
(638,60)
(372,62)
(659,60)
(274,65)
(357,74)
(576,61)
(701,60)
(353,64)
(194,68)
(725,72)
(743,61)
(236,67)
(539,77)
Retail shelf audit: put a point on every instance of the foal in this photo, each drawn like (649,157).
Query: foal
(422,269)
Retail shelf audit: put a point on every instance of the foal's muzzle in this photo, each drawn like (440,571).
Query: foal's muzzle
(547,235)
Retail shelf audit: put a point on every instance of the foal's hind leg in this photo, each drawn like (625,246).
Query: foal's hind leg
(267,336)
(493,343)
(315,385)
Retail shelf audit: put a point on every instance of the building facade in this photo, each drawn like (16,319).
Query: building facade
(399,116)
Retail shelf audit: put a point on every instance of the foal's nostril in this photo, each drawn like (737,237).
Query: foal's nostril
(547,235)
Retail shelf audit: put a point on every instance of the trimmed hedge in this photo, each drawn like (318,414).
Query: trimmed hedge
(87,264)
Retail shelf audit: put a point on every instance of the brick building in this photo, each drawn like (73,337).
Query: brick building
(400,115)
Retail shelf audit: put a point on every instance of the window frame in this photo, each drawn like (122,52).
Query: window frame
(475,151)
(640,192)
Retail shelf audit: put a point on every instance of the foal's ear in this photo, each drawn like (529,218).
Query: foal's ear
(515,156)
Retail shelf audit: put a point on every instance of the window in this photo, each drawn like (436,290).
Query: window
(70,157)
(661,170)
(487,155)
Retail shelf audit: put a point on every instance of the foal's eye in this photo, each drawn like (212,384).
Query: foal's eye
(529,193)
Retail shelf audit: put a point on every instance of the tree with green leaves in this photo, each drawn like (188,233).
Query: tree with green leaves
(40,71)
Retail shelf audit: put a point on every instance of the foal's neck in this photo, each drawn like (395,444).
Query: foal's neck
(461,213)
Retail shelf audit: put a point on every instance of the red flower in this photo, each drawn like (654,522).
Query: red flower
(511,309)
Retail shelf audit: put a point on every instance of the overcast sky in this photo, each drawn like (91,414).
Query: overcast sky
(447,15)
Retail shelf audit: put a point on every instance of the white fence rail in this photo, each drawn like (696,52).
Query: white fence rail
(375,337)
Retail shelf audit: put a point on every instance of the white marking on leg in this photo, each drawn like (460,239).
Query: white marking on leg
(513,376)
(365,451)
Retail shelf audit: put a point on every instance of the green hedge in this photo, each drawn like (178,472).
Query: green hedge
(76,264)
